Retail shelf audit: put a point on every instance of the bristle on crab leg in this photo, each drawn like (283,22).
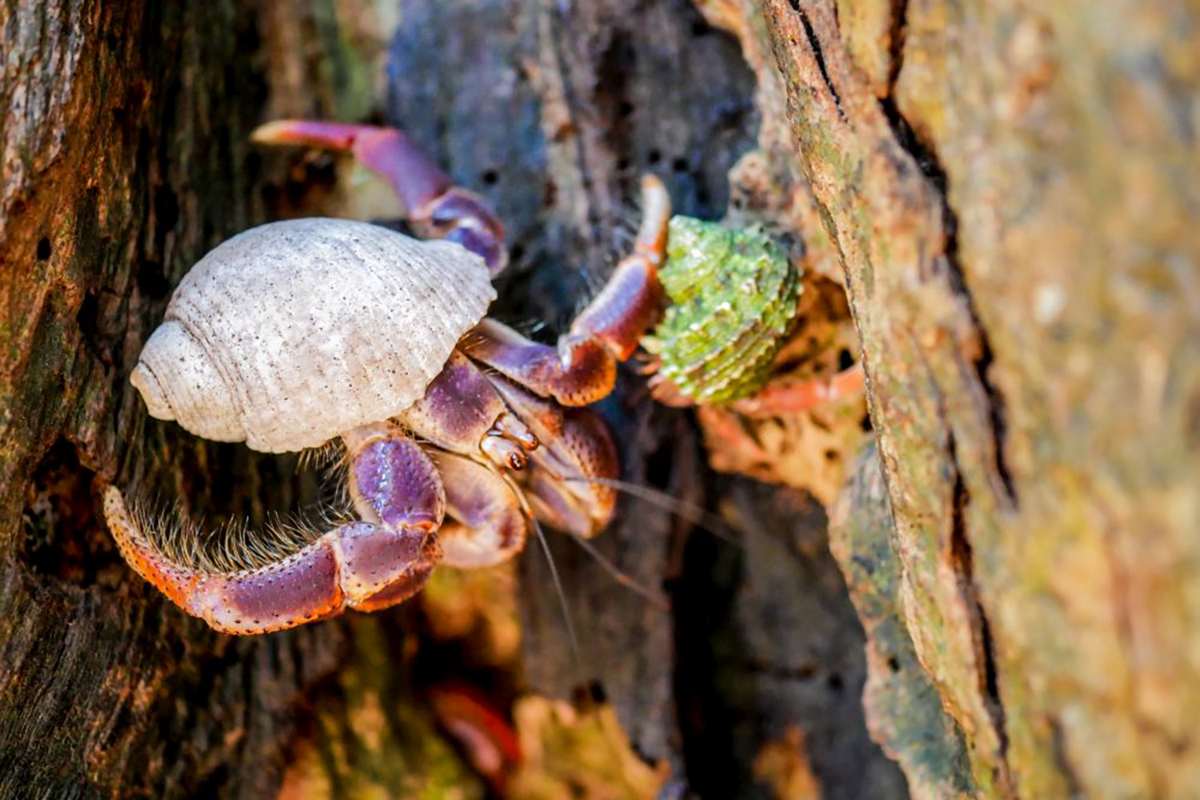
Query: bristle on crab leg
(363,565)
(346,567)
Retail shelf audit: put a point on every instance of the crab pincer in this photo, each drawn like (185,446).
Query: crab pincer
(365,565)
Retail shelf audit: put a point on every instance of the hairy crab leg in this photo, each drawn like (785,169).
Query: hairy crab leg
(485,524)
(365,565)
(583,367)
(436,207)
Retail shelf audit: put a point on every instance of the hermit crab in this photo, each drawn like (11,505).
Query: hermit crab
(456,428)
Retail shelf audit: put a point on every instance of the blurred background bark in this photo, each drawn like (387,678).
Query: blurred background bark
(1003,191)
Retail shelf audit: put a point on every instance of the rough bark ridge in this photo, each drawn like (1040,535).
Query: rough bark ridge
(1010,190)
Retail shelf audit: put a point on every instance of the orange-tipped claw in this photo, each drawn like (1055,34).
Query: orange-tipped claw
(583,367)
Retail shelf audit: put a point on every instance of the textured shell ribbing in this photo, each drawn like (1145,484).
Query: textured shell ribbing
(314,327)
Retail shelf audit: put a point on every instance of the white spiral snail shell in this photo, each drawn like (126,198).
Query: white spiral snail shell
(293,332)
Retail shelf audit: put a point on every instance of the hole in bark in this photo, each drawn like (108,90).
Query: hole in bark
(893,664)
(88,320)
(151,280)
(624,109)
(653,157)
(166,209)
(43,249)
(679,165)
(490,177)
(835,683)
(597,693)
(63,536)
(831,455)
(845,359)
(516,253)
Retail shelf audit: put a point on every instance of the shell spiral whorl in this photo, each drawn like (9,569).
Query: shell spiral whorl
(178,381)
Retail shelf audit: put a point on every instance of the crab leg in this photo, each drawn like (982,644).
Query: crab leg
(486,524)
(792,398)
(462,412)
(365,565)
(436,207)
(583,367)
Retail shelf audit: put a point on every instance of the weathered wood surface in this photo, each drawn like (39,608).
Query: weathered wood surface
(125,158)
(1012,190)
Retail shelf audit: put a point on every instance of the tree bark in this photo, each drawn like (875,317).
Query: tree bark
(1010,189)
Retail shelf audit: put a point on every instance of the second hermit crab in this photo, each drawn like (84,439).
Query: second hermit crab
(456,428)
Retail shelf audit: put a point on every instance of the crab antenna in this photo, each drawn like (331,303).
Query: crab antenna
(703,519)
(657,599)
(558,587)
(562,598)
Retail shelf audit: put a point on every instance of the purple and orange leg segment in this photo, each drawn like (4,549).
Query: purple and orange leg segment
(486,524)
(462,412)
(583,367)
(436,207)
(364,565)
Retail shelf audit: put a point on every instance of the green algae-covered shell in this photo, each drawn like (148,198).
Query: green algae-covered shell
(732,302)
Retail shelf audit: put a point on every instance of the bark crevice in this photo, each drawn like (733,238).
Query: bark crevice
(815,45)
(981,361)
(962,559)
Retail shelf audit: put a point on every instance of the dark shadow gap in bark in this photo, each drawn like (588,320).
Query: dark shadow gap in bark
(927,161)
(815,44)
(1062,759)
(896,38)
(962,559)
